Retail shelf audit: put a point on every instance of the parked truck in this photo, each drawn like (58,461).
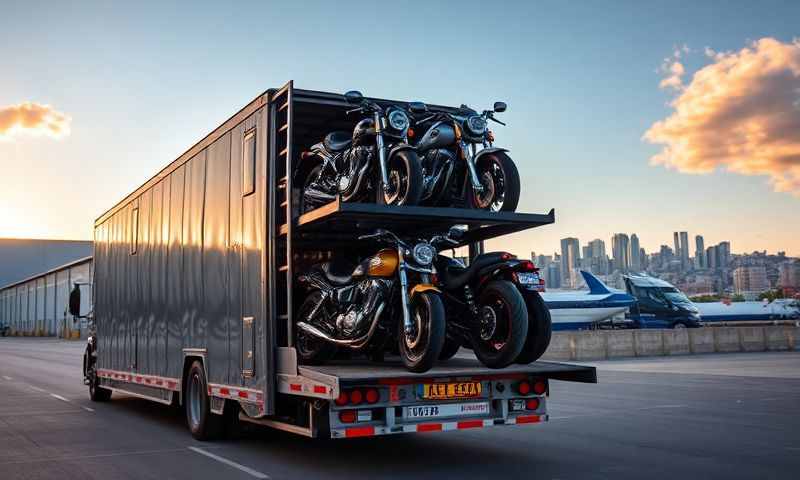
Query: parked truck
(193,293)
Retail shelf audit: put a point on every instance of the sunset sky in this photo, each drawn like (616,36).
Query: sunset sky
(625,117)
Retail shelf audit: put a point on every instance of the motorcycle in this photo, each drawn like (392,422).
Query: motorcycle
(492,306)
(364,307)
(455,172)
(375,159)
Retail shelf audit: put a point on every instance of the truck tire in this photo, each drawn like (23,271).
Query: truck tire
(421,351)
(96,392)
(540,328)
(203,424)
(502,324)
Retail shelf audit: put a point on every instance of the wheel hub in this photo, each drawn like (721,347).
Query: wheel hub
(488,323)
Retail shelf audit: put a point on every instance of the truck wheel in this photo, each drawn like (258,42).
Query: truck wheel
(502,325)
(203,424)
(420,348)
(96,392)
(310,349)
(540,328)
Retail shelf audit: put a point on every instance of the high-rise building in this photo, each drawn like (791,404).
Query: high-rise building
(677,244)
(750,280)
(553,276)
(643,261)
(699,252)
(724,254)
(789,274)
(570,261)
(684,250)
(595,258)
(712,258)
(636,263)
(621,250)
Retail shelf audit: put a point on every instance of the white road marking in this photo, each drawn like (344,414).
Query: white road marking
(37,389)
(230,463)
(7,378)
(59,397)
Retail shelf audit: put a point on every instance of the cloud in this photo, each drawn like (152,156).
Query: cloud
(741,113)
(673,69)
(34,118)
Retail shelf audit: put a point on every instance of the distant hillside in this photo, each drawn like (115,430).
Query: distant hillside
(22,258)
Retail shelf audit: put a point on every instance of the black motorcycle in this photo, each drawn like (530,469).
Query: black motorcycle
(456,172)
(375,161)
(365,306)
(492,306)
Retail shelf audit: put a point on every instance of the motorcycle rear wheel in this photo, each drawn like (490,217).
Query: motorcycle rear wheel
(310,349)
(540,329)
(421,348)
(405,180)
(503,324)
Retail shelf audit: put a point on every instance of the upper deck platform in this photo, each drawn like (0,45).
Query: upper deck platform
(342,222)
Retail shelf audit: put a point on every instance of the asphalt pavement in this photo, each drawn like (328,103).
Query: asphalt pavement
(706,416)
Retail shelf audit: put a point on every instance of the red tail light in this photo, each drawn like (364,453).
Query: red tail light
(356,397)
(532,404)
(527,266)
(347,416)
(372,395)
(524,388)
(539,387)
(342,399)
(410,133)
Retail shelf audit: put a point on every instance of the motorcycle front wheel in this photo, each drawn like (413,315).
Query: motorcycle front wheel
(502,324)
(421,346)
(500,180)
(312,350)
(405,180)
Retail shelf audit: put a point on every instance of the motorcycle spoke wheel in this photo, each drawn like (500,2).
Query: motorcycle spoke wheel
(493,195)
(398,186)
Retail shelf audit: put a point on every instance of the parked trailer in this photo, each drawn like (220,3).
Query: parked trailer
(194,293)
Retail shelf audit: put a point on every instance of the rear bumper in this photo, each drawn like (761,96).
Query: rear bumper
(466,424)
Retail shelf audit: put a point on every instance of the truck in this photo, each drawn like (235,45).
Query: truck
(194,294)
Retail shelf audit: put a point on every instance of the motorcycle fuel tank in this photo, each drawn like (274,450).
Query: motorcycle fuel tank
(440,135)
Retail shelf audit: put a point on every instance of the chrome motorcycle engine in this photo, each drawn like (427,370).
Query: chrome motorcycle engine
(353,164)
(356,317)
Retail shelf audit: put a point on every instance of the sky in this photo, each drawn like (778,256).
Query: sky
(635,117)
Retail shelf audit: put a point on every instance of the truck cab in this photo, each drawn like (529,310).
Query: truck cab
(660,304)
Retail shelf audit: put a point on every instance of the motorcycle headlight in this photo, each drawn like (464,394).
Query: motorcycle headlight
(398,120)
(476,125)
(424,253)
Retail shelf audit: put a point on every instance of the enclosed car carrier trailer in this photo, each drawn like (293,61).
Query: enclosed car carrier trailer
(194,279)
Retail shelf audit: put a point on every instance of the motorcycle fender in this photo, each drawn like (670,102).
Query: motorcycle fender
(422,287)
(486,151)
(398,148)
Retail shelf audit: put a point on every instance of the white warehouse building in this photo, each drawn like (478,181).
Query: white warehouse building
(38,305)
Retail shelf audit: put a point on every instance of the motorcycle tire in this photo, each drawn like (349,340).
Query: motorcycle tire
(309,173)
(311,350)
(502,324)
(405,175)
(450,348)
(540,328)
(420,353)
(500,179)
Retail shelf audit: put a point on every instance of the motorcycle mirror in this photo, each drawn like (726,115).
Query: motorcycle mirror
(456,232)
(417,107)
(500,107)
(353,96)
(75,301)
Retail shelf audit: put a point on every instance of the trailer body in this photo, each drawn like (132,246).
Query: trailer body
(197,265)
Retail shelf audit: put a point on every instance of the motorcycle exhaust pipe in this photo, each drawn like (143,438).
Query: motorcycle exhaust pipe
(351,343)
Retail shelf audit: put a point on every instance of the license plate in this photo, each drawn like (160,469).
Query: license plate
(449,410)
(438,391)
(526,278)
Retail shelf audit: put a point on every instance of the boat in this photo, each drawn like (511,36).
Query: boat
(581,309)
(779,309)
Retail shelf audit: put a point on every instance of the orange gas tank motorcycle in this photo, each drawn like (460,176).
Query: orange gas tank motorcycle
(386,296)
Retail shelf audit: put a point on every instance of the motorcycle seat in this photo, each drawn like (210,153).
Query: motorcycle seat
(337,141)
(338,272)
(455,276)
